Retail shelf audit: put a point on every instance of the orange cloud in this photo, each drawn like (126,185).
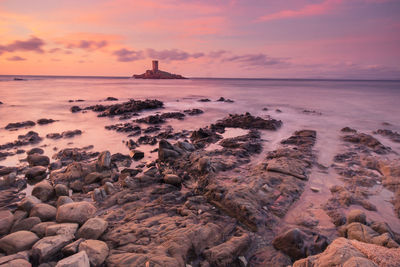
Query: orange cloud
(309,10)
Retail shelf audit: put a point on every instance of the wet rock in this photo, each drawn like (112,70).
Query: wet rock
(109,188)
(18,241)
(298,244)
(104,160)
(166,151)
(61,190)
(74,172)
(77,212)
(7,170)
(43,191)
(137,155)
(126,107)
(110,98)
(75,154)
(35,150)
(247,121)
(93,177)
(148,140)
(204,100)
(194,111)
(66,134)
(40,228)
(62,229)
(46,248)
(356,216)
(172,179)
(63,200)
(227,253)
(75,109)
(25,224)
(30,138)
(394,136)
(45,121)
(99,195)
(367,141)
(16,125)
(92,228)
(6,221)
(28,202)
(152,119)
(44,211)
(77,260)
(38,160)
(96,250)
(288,166)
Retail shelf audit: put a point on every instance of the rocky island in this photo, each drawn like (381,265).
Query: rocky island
(155,73)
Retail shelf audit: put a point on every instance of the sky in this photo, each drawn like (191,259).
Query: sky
(344,39)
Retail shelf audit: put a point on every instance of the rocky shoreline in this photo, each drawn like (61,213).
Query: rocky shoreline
(203,200)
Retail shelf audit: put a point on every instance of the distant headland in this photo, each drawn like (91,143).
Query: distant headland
(155,73)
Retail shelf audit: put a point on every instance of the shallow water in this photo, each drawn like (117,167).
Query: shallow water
(363,105)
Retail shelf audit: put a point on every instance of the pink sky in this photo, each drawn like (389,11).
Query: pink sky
(357,39)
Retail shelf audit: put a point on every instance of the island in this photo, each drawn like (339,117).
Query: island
(155,73)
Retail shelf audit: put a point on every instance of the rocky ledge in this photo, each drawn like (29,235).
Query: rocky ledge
(150,74)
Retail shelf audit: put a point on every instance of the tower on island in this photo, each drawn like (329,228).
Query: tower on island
(155,65)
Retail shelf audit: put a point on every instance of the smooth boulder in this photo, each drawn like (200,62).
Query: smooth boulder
(18,241)
(6,221)
(76,212)
(44,211)
(43,191)
(92,228)
(96,250)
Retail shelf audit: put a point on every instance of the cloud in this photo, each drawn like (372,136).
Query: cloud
(88,44)
(33,44)
(308,10)
(217,54)
(173,54)
(16,58)
(125,55)
(251,60)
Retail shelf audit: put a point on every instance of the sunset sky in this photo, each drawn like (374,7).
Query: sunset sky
(357,39)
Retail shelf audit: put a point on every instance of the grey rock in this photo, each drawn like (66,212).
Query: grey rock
(49,246)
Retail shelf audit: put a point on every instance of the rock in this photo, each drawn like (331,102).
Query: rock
(61,190)
(72,248)
(226,253)
(194,111)
(92,228)
(49,246)
(104,160)
(43,191)
(40,229)
(35,150)
(76,186)
(96,250)
(19,215)
(137,154)
(62,229)
(38,160)
(63,200)
(298,244)
(6,221)
(18,241)
(93,177)
(360,232)
(44,211)
(109,188)
(172,179)
(356,216)
(36,173)
(75,109)
(45,121)
(126,107)
(288,166)
(17,263)
(247,121)
(25,224)
(77,212)
(110,98)
(77,260)
(352,253)
(99,195)
(16,125)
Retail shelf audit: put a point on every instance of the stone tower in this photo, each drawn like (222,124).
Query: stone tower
(155,65)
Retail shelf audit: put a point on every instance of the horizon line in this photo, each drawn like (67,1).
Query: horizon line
(226,78)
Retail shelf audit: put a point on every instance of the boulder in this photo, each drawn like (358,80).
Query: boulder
(360,232)
(77,212)
(43,191)
(80,259)
(63,200)
(93,177)
(356,216)
(298,244)
(44,211)
(28,202)
(36,173)
(92,228)
(104,160)
(96,250)
(49,246)
(62,229)
(6,221)
(35,150)
(61,190)
(137,154)
(25,224)
(72,248)
(17,263)
(18,241)
(172,179)
(40,228)
(38,160)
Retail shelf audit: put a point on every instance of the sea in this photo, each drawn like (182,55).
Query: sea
(322,105)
